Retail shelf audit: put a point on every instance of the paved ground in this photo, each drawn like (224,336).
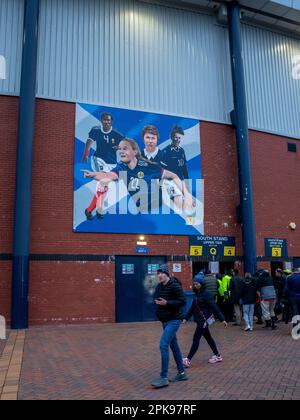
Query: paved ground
(10,365)
(119,361)
(2,345)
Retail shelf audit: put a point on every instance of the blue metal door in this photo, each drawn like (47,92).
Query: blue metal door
(136,281)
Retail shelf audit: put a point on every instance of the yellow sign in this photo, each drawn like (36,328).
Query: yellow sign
(190,220)
(213,251)
(229,251)
(196,251)
(276,252)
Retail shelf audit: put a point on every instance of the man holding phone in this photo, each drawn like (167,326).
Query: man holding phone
(170,300)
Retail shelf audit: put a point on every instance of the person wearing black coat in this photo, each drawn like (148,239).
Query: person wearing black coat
(202,309)
(170,300)
(257,307)
(235,287)
(211,284)
(248,297)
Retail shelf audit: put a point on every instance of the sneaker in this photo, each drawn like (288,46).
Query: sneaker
(160,383)
(181,376)
(88,214)
(215,359)
(251,328)
(247,328)
(186,362)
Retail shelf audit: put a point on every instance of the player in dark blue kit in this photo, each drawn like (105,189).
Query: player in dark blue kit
(104,158)
(173,156)
(140,176)
(107,141)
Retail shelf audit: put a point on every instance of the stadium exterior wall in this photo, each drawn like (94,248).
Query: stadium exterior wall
(153,57)
(65,285)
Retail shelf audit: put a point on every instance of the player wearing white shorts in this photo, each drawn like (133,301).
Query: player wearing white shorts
(103,160)
(175,160)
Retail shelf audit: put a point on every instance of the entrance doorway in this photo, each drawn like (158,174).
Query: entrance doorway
(222,267)
(274,266)
(226,266)
(200,266)
(136,280)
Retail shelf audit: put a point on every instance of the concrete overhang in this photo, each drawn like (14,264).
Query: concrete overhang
(282,15)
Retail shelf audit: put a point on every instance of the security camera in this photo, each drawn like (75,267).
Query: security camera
(292,226)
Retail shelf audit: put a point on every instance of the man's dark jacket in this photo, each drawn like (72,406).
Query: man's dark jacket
(249,292)
(172,292)
(293,287)
(236,288)
(210,283)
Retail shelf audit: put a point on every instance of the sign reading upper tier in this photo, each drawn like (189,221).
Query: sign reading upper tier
(212,246)
(276,248)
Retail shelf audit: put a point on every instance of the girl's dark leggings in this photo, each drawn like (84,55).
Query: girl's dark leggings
(201,331)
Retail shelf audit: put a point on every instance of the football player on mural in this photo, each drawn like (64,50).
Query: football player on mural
(104,158)
(173,156)
(151,152)
(140,177)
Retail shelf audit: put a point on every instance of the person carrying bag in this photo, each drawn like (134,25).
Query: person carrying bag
(202,309)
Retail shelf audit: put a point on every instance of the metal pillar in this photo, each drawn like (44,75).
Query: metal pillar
(21,245)
(242,137)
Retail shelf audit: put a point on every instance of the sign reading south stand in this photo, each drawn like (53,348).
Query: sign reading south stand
(212,246)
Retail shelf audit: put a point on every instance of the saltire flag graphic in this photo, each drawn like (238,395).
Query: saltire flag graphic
(118,206)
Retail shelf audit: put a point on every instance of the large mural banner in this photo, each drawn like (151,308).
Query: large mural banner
(137,172)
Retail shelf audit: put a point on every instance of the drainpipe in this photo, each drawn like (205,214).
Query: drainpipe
(21,244)
(242,137)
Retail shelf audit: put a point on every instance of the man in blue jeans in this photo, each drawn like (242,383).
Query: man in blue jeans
(170,300)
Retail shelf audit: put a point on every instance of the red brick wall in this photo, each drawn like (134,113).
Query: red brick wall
(221,188)
(5,288)
(72,292)
(276,174)
(186,273)
(67,290)
(8,142)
